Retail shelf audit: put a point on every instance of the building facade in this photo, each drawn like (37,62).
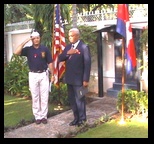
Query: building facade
(111,62)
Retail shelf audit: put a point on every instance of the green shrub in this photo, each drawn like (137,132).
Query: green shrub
(143,102)
(59,94)
(134,101)
(16,77)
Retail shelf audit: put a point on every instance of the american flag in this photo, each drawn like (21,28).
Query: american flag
(124,28)
(58,44)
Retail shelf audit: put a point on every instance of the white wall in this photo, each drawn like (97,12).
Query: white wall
(93,83)
(14,38)
(108,65)
(108,61)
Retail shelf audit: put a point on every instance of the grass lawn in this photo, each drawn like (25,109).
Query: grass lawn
(17,109)
(112,129)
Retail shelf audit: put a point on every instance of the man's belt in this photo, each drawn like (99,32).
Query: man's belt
(39,71)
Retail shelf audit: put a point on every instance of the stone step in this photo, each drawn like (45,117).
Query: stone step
(118,86)
(112,92)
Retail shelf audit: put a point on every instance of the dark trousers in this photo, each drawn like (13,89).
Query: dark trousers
(78,106)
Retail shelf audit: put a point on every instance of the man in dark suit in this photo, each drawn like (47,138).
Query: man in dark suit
(78,65)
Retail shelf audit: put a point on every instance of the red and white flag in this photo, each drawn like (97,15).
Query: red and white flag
(58,44)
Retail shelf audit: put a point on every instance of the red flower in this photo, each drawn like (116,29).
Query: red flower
(77,51)
(35,55)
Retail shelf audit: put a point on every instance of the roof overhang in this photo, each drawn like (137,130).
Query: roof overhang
(112,28)
(140,25)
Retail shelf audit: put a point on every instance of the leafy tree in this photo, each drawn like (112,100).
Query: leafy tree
(74,16)
(44,16)
(144,48)
(17,12)
(144,39)
(93,7)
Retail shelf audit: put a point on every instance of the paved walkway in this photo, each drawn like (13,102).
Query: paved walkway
(59,124)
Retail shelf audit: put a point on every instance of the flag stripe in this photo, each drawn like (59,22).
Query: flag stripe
(121,28)
(58,44)
(124,28)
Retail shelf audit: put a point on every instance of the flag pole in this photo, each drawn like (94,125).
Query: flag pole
(58,46)
(125,30)
(53,33)
(123,79)
(59,103)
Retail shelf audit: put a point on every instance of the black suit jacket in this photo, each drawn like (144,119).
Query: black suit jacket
(78,65)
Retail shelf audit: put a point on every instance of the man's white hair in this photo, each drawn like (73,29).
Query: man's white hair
(76,30)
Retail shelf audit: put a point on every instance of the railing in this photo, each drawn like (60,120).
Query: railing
(19,26)
(108,15)
(136,11)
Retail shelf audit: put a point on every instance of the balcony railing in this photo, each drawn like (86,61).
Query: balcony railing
(109,15)
(19,26)
(135,11)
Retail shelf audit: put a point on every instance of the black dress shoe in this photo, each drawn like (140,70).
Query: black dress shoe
(38,121)
(74,122)
(81,123)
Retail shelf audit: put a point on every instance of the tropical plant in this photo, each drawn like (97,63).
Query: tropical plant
(16,77)
(44,20)
(59,95)
(144,50)
(74,16)
(17,12)
(134,101)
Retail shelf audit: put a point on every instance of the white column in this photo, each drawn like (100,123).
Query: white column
(9,48)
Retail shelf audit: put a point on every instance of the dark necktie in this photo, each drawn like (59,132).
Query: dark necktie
(72,46)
